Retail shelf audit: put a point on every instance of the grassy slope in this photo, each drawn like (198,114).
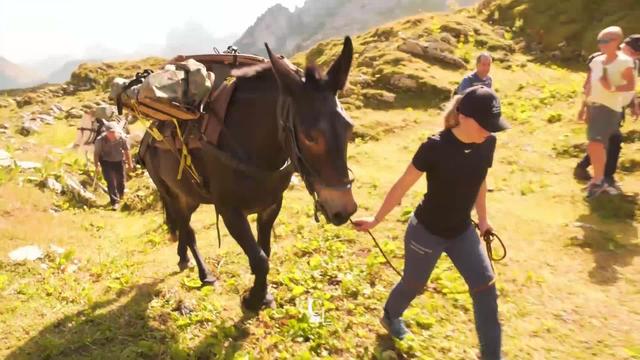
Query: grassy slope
(566,291)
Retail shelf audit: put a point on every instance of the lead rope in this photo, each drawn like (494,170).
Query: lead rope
(488,237)
(375,241)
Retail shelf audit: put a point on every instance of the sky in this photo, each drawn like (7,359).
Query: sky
(37,30)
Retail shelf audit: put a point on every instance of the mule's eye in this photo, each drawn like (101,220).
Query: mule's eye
(312,138)
(313,141)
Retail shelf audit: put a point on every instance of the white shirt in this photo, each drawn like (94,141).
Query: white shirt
(614,100)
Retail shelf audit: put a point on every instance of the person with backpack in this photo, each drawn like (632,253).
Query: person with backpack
(631,48)
(456,162)
(609,84)
(111,151)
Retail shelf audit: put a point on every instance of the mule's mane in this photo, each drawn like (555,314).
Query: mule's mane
(258,69)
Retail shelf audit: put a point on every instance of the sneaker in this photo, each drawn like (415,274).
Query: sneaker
(115,207)
(595,189)
(395,327)
(582,174)
(613,188)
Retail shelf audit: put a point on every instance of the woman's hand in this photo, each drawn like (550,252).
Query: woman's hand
(484,227)
(365,224)
(582,114)
(606,84)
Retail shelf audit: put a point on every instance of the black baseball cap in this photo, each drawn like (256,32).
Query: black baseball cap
(483,105)
(633,42)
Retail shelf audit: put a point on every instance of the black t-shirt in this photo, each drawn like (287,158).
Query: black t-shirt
(455,172)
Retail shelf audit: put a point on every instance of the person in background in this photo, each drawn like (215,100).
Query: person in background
(631,48)
(110,153)
(610,82)
(480,76)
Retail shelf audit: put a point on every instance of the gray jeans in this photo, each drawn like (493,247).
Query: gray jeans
(422,251)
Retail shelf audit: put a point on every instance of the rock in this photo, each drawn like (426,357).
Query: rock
(448,38)
(361,80)
(5,159)
(378,97)
(73,186)
(75,114)
(26,253)
(53,185)
(456,30)
(4,126)
(432,51)
(5,103)
(28,165)
(88,106)
(411,47)
(404,82)
(58,107)
(46,119)
(29,127)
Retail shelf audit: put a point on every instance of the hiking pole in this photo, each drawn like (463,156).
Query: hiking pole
(95,182)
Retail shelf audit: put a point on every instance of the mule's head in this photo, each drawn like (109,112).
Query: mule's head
(322,130)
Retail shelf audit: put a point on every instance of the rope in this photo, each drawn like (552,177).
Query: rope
(381,251)
(488,237)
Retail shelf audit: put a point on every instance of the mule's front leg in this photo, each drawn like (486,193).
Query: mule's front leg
(266,219)
(239,228)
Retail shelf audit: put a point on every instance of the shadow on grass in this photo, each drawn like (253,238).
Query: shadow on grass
(124,329)
(611,236)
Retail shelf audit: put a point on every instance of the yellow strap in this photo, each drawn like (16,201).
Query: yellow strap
(185,157)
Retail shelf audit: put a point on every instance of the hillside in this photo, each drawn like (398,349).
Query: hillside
(564,28)
(321,19)
(14,76)
(569,288)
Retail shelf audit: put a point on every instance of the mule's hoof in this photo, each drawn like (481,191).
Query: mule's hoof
(184,265)
(209,281)
(269,302)
(253,305)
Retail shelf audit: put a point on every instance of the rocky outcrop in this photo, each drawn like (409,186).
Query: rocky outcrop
(291,32)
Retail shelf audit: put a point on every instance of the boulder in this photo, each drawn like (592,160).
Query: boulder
(439,52)
(74,187)
(53,185)
(29,127)
(75,114)
(404,82)
(46,119)
(5,159)
(5,103)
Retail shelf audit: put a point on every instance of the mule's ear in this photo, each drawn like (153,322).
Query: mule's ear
(339,71)
(290,83)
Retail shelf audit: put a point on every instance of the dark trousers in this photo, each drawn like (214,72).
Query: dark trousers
(613,155)
(113,173)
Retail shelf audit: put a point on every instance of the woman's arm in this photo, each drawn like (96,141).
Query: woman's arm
(481,209)
(393,198)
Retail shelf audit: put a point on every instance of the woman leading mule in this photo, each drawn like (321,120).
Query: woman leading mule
(456,162)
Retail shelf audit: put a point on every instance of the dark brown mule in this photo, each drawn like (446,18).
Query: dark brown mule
(275,119)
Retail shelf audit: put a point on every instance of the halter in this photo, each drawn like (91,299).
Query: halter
(287,128)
